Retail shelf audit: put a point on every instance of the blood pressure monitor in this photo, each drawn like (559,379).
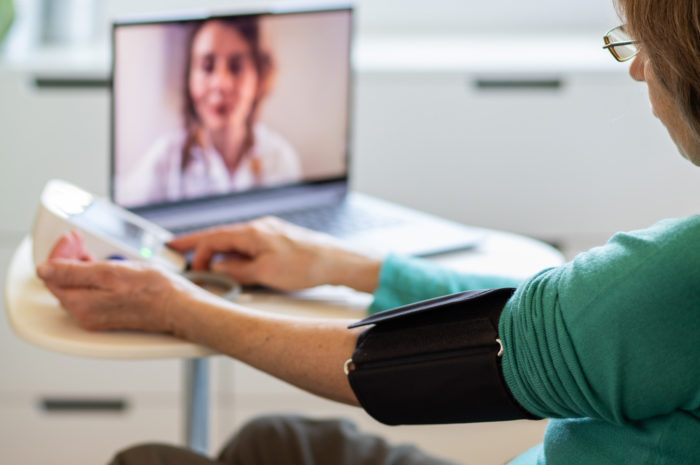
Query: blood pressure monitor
(109,231)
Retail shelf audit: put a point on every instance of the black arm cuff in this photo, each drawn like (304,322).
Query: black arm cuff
(436,361)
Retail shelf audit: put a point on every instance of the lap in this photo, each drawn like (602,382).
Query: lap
(288,440)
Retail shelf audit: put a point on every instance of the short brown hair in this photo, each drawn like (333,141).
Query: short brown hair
(669,31)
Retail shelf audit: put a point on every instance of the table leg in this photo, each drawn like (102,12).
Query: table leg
(197,404)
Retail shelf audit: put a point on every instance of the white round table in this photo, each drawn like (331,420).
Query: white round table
(36,316)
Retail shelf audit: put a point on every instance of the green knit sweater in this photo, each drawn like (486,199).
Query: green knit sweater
(608,345)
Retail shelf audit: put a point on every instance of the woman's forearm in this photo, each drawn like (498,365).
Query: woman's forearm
(355,270)
(308,353)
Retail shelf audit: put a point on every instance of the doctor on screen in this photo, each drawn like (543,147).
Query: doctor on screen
(222,147)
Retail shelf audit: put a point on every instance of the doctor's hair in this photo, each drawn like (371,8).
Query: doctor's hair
(669,32)
(248,27)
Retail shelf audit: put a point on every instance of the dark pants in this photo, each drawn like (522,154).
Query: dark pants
(286,440)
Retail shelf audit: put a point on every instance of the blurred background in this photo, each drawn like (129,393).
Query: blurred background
(506,115)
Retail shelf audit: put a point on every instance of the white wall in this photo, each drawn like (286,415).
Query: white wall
(539,16)
(419,16)
(435,15)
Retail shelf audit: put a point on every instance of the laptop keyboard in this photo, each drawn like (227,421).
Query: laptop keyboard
(340,220)
(337,220)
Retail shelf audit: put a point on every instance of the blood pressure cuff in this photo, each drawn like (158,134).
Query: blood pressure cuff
(435,361)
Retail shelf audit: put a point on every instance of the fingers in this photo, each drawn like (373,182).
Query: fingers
(190,241)
(212,244)
(112,295)
(66,273)
(77,301)
(243,240)
(71,246)
(82,303)
(100,310)
(267,251)
(241,235)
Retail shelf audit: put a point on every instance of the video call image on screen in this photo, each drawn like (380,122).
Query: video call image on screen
(229,104)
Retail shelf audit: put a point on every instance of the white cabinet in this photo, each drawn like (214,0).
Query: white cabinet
(77,410)
(30,435)
(557,156)
(67,409)
(51,133)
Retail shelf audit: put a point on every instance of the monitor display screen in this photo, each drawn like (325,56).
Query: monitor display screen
(103,217)
(221,105)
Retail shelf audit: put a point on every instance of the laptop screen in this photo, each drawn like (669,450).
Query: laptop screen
(224,105)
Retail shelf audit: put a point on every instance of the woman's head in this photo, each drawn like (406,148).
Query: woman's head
(669,61)
(227,75)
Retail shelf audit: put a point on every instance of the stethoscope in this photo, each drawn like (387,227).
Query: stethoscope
(218,284)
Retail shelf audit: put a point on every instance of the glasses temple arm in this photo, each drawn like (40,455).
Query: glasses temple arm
(617,44)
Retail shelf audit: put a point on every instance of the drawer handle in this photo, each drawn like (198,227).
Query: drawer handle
(58,405)
(49,83)
(519,84)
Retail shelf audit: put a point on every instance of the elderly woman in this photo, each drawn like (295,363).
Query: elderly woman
(605,346)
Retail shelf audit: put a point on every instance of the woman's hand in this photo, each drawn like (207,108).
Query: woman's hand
(278,254)
(113,294)
(306,352)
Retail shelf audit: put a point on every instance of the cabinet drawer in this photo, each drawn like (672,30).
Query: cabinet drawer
(32,436)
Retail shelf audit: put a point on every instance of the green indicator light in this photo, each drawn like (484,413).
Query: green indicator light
(146,252)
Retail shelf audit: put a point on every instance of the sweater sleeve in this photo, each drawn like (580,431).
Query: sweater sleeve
(405,280)
(613,334)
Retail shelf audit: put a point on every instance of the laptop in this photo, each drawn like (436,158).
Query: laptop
(225,117)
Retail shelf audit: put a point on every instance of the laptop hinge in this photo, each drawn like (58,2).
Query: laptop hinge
(244,207)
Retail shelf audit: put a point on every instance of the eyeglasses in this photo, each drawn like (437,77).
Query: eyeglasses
(620,44)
